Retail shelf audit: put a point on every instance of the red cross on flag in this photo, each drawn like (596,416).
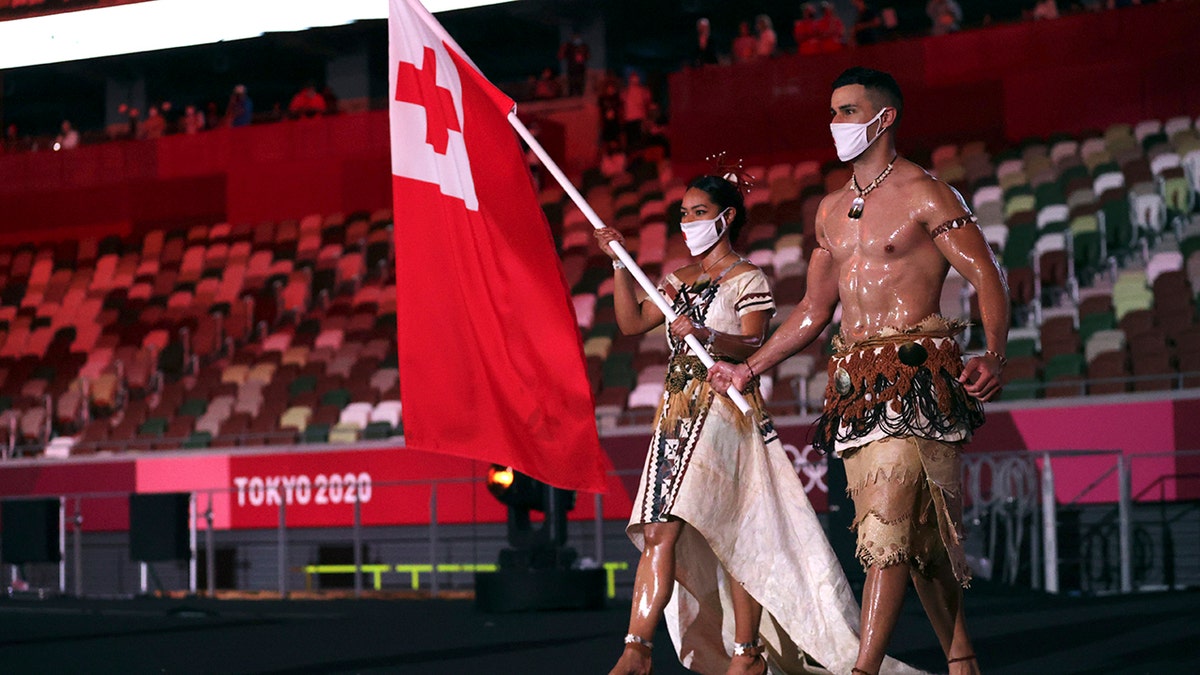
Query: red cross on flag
(491,363)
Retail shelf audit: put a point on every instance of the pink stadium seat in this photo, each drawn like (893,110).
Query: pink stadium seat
(296,296)
(106,267)
(357,414)
(250,398)
(331,338)
(156,339)
(378,349)
(126,271)
(387,411)
(385,379)
(191,267)
(220,232)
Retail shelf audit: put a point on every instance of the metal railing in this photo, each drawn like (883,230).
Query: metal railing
(1012,503)
(201,520)
(799,403)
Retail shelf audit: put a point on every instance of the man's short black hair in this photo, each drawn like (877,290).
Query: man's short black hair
(880,86)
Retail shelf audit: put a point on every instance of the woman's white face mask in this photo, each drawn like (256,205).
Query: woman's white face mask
(703,234)
(850,138)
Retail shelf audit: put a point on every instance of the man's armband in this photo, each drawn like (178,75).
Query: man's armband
(945,227)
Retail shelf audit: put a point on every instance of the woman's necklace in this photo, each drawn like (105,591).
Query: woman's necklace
(856,206)
(708,270)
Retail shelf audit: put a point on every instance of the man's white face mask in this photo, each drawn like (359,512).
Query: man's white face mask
(850,138)
(702,234)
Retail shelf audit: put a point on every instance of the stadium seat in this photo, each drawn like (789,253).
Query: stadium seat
(388,412)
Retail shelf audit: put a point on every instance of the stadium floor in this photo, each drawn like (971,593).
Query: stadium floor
(1015,632)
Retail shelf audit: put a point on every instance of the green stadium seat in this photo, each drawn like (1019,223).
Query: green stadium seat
(315,433)
(197,439)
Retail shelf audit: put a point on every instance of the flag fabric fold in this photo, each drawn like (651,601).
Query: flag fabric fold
(491,363)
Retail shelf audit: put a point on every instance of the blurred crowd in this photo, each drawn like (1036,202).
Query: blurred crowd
(631,114)
(165,118)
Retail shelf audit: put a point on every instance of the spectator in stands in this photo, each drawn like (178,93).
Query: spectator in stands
(657,145)
(68,137)
(547,85)
(1045,9)
(946,16)
(135,119)
(154,126)
(170,116)
(574,56)
(833,31)
(240,109)
(635,102)
(900,404)
(868,24)
(331,100)
(706,50)
(806,30)
(306,103)
(212,116)
(609,102)
(765,32)
(193,120)
(12,141)
(612,160)
(745,46)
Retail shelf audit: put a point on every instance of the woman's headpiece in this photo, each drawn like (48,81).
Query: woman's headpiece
(733,171)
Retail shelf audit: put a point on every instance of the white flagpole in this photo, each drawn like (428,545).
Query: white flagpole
(643,281)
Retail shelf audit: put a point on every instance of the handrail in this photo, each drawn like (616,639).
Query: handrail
(632,416)
(625,418)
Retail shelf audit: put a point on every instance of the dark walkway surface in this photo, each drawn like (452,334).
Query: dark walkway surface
(1015,632)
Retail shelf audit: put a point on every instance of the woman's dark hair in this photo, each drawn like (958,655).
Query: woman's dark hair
(725,195)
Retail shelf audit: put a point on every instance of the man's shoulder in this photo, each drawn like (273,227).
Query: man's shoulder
(920,181)
(936,197)
(829,199)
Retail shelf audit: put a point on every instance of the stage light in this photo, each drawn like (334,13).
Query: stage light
(515,489)
(537,570)
(523,494)
(500,478)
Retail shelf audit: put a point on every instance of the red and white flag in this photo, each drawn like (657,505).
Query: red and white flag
(491,363)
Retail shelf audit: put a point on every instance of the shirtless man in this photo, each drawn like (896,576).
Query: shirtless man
(900,404)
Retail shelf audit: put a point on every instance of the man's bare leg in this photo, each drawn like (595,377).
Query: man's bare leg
(652,587)
(747,615)
(942,598)
(883,597)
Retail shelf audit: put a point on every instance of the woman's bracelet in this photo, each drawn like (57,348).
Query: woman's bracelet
(618,265)
(749,368)
(999,357)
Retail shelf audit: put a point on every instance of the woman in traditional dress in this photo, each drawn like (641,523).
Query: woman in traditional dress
(721,517)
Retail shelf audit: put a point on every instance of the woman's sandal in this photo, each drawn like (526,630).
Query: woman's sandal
(753,649)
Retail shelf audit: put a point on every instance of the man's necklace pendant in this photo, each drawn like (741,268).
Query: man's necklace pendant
(856,208)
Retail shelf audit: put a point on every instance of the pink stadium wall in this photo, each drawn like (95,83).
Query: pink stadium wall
(394,483)
(249,174)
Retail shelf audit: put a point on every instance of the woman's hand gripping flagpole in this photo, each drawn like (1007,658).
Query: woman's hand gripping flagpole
(655,296)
